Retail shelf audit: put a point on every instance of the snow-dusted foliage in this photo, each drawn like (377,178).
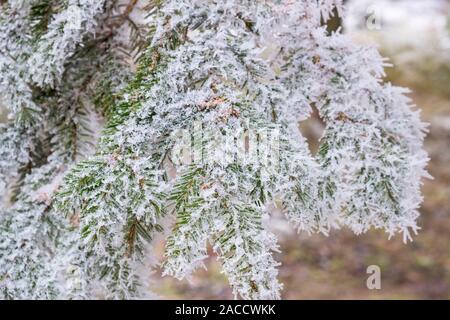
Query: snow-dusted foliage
(371,154)
(77,20)
(204,134)
(15,47)
(57,78)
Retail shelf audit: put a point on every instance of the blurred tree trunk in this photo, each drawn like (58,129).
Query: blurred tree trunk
(335,22)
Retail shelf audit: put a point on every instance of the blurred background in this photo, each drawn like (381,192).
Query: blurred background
(415,35)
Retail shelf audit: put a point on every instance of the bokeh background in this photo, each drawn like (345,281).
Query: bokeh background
(415,35)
